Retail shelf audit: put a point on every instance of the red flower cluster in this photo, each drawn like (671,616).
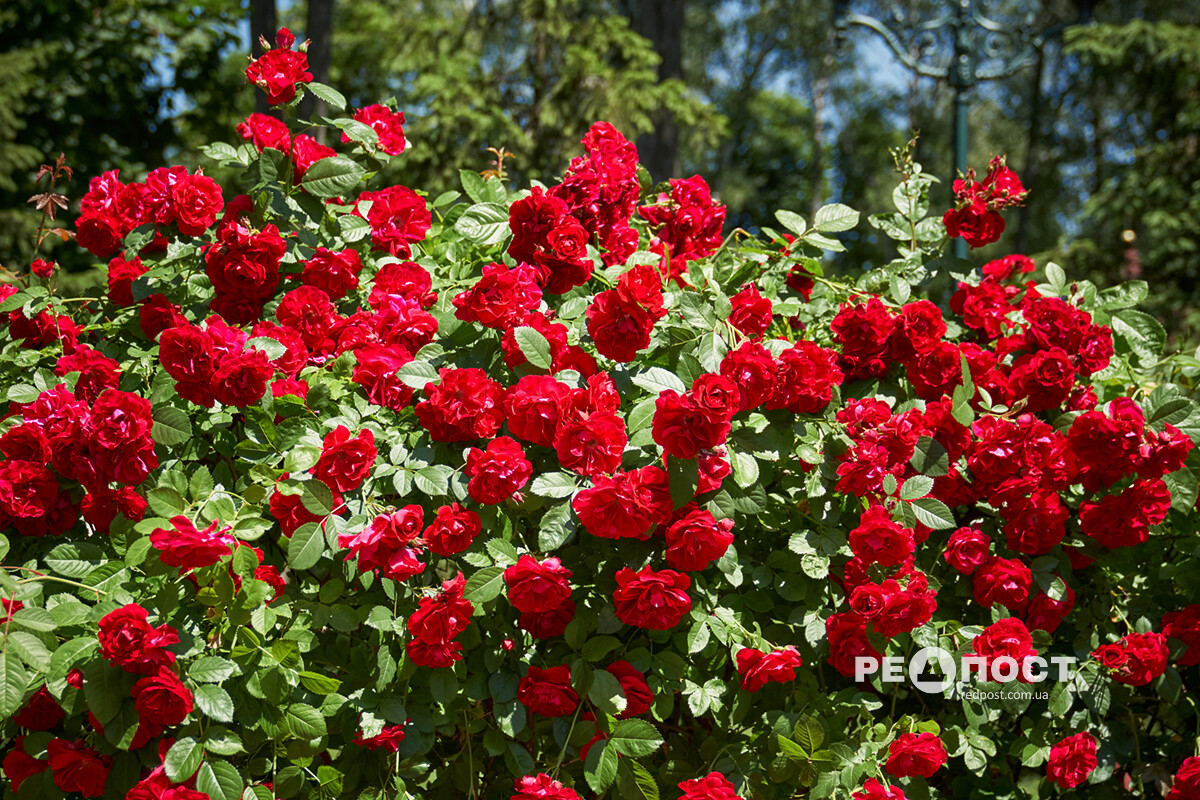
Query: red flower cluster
(977,205)
(687,225)
(435,623)
(168,196)
(398,216)
(389,544)
(912,754)
(758,668)
(387,124)
(188,548)
(713,786)
(620,320)
(212,363)
(278,70)
(1135,659)
(1072,760)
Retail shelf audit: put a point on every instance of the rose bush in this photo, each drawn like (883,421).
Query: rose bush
(340,490)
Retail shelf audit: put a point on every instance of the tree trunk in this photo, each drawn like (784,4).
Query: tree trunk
(263,25)
(1029,173)
(319,29)
(662,23)
(820,97)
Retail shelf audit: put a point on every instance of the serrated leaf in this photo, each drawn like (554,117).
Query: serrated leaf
(534,346)
(183,759)
(933,513)
(12,684)
(316,497)
(745,469)
(317,683)
(916,487)
(214,702)
(171,426)
(809,733)
(556,528)
(635,737)
(332,96)
(220,780)
(31,650)
(683,475)
(306,546)
(353,228)
(554,484)
(270,346)
(332,177)
(211,669)
(834,218)
(792,221)
(657,380)
(303,722)
(484,223)
(606,692)
(930,458)
(501,551)
(791,749)
(484,585)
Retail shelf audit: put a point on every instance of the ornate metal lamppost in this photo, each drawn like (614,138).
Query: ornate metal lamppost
(963,47)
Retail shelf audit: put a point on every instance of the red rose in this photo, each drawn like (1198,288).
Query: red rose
(548,692)
(96,372)
(1184,625)
(532,408)
(546,237)
(878,540)
(375,370)
(161,699)
(128,641)
(1072,760)
(619,327)
(241,380)
(333,273)
(1047,614)
(500,299)
(187,354)
(307,151)
(1187,780)
(758,668)
(967,549)
(99,233)
(1044,378)
(278,71)
(1136,659)
(346,461)
(975,223)
(541,787)
(1007,638)
(848,642)
(874,790)
(915,754)
(27,489)
(695,539)
(713,786)
(752,369)
(40,713)
(497,473)
(121,274)
(398,217)
(1006,581)
(440,618)
(19,766)
(751,312)
(434,656)
(654,600)
(548,624)
(157,314)
(537,586)
(453,530)
(387,124)
(76,767)
(804,379)
(265,131)
(864,331)
(592,445)
(627,505)
(388,738)
(387,544)
(464,405)
(638,697)
(197,201)
(307,311)
(682,428)
(186,547)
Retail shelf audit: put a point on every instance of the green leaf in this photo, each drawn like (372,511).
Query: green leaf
(557,527)
(23,393)
(834,218)
(165,501)
(31,650)
(433,480)
(332,96)
(697,637)
(930,458)
(745,469)
(68,654)
(600,768)
(554,484)
(484,223)
(809,733)
(306,546)
(484,585)
(317,497)
(642,779)
(211,669)
(35,619)
(12,684)
(933,513)
(635,737)
(606,692)
(317,683)
(792,750)
(534,346)
(1125,295)
(220,780)
(792,221)
(171,426)
(332,177)
(273,348)
(214,702)
(683,474)
(502,551)
(916,487)
(353,228)
(103,688)
(303,722)
(416,374)
(657,380)
(183,759)
(1141,332)
(13,302)
(597,647)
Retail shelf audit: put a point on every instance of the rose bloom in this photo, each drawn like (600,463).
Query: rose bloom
(537,586)
(592,445)
(548,624)
(1184,625)
(967,549)
(655,600)
(695,539)
(278,71)
(548,692)
(197,202)
(440,618)
(497,473)
(1006,581)
(915,754)
(1136,659)
(398,217)
(501,298)
(531,406)
(453,530)
(758,668)
(76,767)
(464,405)
(638,697)
(627,505)
(434,656)
(1008,637)
(1072,760)
(333,273)
(388,124)
(128,641)
(241,380)
(19,766)
(619,327)
(874,790)
(346,461)
(751,312)
(541,787)
(879,540)
(713,786)
(389,738)
(1187,780)
(161,699)
(188,548)
(752,369)
(40,713)
(682,428)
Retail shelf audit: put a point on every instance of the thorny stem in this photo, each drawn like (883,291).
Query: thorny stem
(566,741)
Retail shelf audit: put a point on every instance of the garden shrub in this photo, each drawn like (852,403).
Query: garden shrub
(340,490)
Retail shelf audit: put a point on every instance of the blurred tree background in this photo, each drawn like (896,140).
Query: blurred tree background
(761,98)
